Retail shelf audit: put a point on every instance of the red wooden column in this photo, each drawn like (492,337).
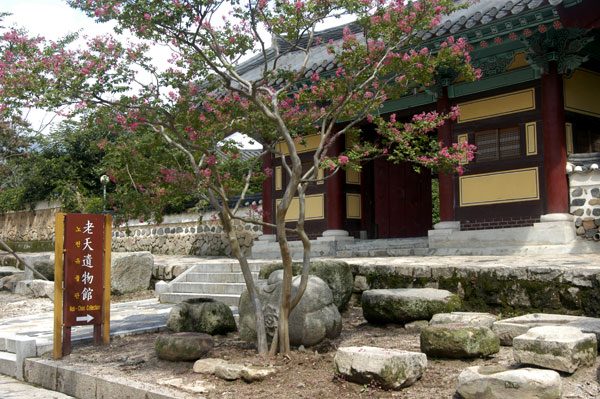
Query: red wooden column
(444,134)
(267,194)
(555,153)
(334,205)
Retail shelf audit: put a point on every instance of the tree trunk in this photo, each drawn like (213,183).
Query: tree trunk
(261,334)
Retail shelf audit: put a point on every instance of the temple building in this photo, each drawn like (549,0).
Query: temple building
(536,104)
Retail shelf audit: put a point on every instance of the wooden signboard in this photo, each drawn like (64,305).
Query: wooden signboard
(82,277)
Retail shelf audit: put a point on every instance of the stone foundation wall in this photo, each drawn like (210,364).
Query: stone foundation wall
(30,225)
(498,223)
(584,193)
(497,288)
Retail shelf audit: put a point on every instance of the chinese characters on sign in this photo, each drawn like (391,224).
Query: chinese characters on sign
(84,260)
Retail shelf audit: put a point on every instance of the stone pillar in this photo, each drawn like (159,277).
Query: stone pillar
(555,153)
(446,181)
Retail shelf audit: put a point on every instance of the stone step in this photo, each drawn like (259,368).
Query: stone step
(209,288)
(232,267)
(369,253)
(8,364)
(385,243)
(270,250)
(193,277)
(174,297)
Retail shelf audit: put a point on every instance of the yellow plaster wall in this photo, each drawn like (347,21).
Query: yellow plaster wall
(531,138)
(504,104)
(581,92)
(315,208)
(499,187)
(312,142)
(352,206)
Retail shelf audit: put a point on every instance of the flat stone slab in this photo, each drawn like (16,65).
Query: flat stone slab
(587,325)
(403,305)
(458,341)
(559,348)
(497,382)
(390,368)
(470,318)
(508,329)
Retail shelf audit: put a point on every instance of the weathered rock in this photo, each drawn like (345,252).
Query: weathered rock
(35,288)
(8,283)
(337,275)
(208,365)
(202,315)
(403,305)
(256,373)
(360,284)
(458,341)
(44,264)
(416,326)
(559,348)
(314,318)
(390,368)
(497,382)
(470,318)
(508,329)
(229,371)
(186,346)
(130,272)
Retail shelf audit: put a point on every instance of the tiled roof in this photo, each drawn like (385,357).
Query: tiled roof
(477,14)
(484,12)
(583,162)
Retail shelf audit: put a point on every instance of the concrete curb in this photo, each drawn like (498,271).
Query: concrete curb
(52,375)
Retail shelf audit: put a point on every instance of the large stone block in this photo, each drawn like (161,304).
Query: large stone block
(130,272)
(559,348)
(390,368)
(404,305)
(336,274)
(458,341)
(203,315)
(35,288)
(508,329)
(497,382)
(313,319)
(470,318)
(186,346)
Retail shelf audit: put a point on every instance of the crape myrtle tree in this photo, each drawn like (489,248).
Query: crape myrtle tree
(202,97)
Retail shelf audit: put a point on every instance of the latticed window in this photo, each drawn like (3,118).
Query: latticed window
(496,144)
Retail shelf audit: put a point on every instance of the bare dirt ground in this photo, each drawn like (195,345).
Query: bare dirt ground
(306,374)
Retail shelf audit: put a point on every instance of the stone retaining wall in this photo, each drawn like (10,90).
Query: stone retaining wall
(30,225)
(503,289)
(184,239)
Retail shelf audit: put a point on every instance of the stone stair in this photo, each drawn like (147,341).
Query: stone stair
(222,281)
(13,351)
(418,246)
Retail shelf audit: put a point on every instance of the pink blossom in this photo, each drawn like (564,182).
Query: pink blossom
(343,159)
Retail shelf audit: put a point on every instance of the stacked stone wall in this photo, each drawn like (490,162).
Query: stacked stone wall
(585,203)
(206,239)
(30,225)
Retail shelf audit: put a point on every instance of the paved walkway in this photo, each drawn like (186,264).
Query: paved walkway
(125,319)
(14,389)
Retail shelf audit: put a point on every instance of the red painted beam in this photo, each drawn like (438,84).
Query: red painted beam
(553,129)
(267,194)
(334,196)
(446,180)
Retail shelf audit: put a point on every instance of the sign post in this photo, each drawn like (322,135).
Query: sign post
(82,278)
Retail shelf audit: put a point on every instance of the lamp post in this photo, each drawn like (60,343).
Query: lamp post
(104,179)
